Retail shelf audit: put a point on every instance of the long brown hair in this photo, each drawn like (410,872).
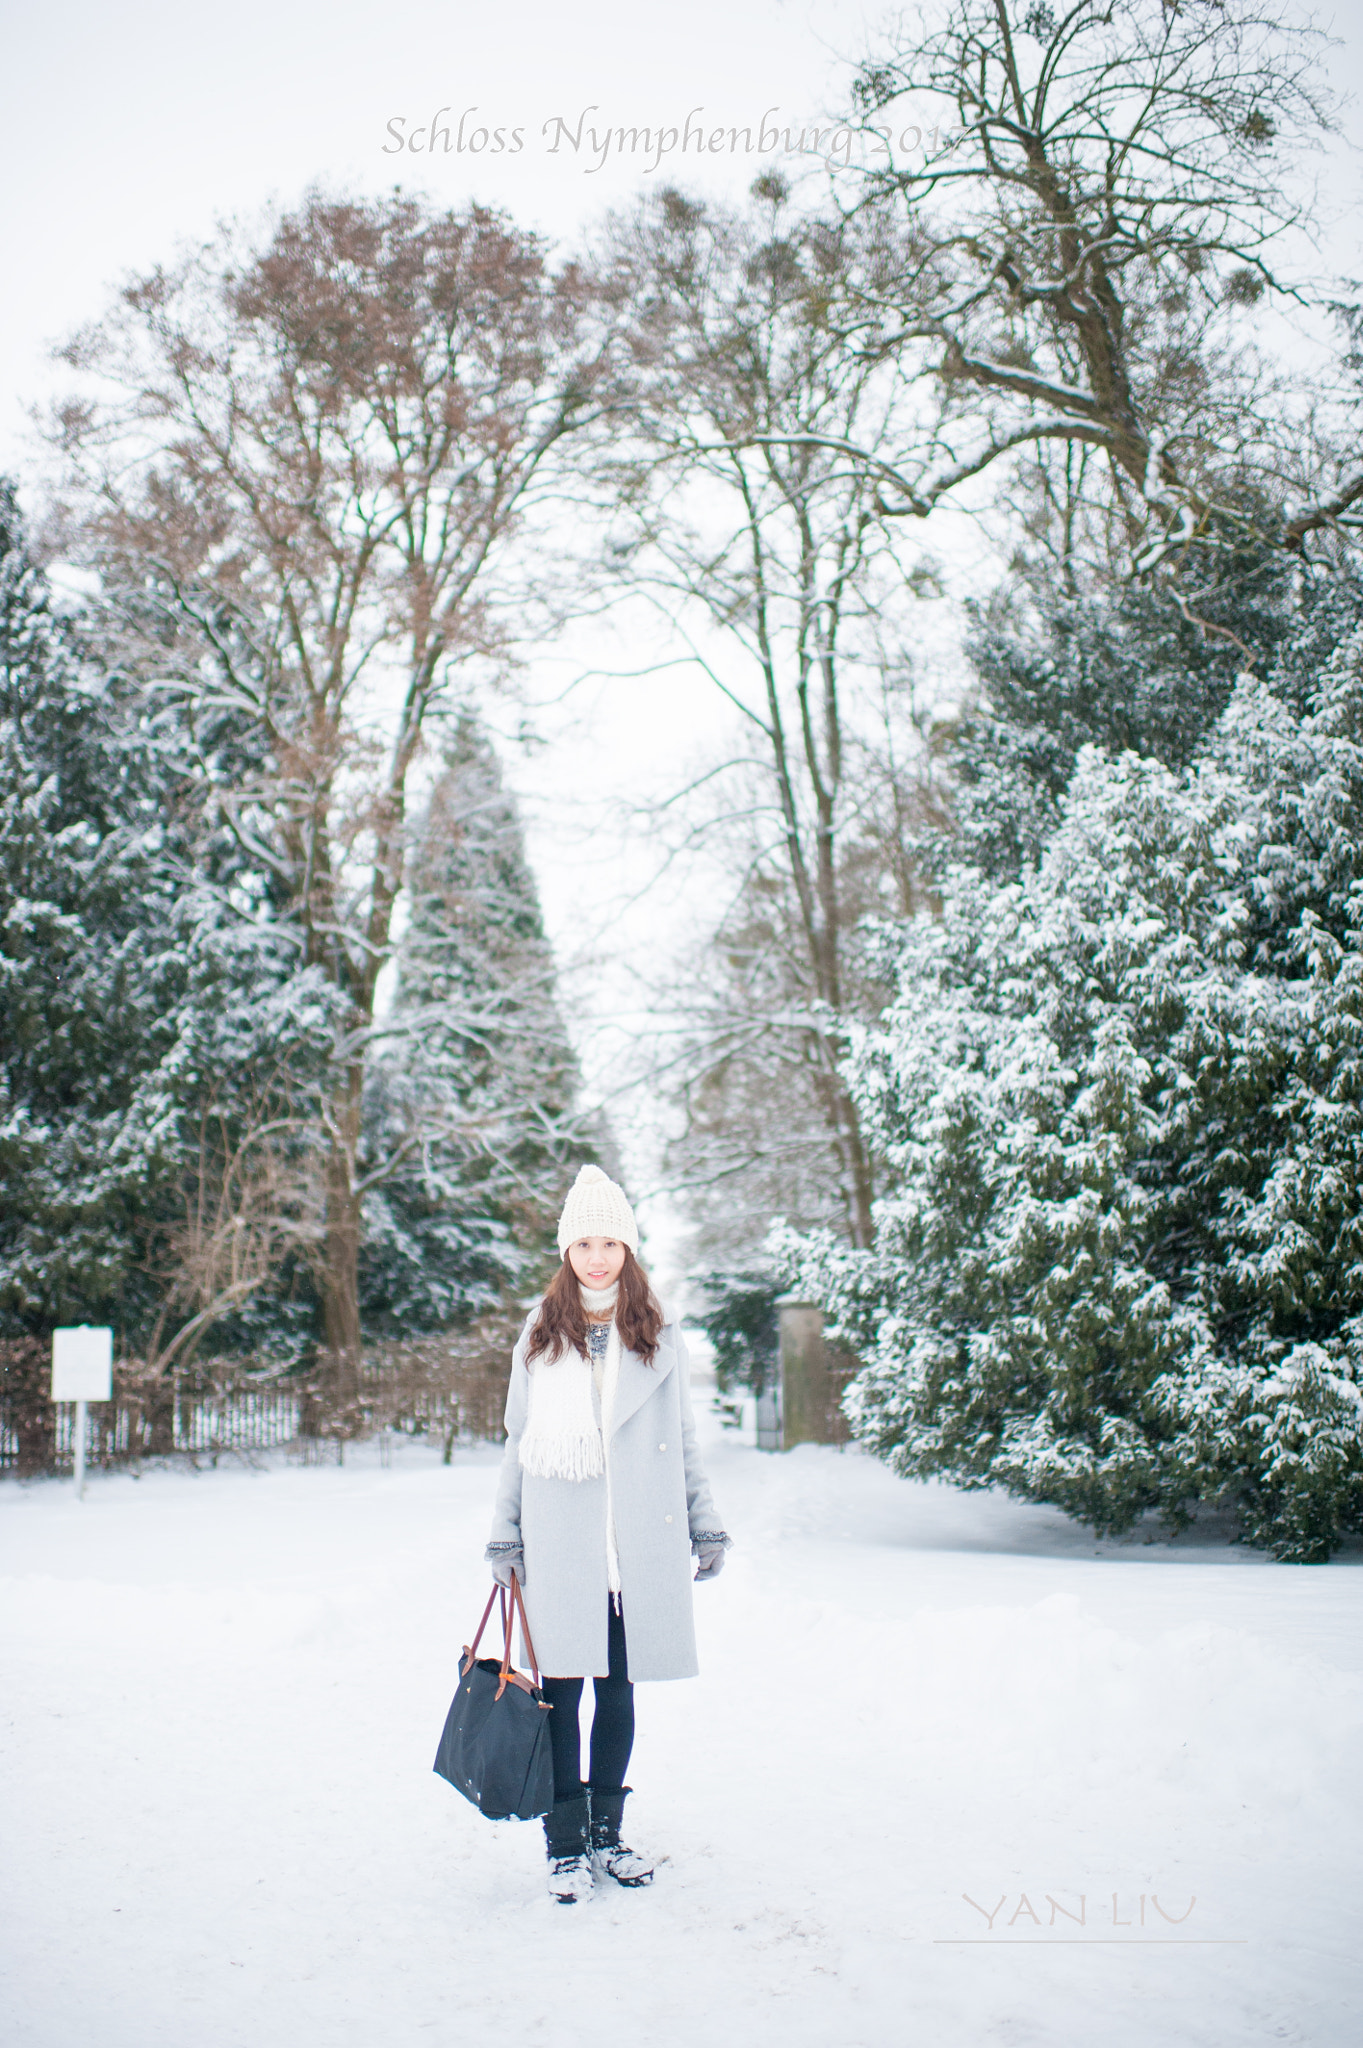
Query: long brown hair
(561,1325)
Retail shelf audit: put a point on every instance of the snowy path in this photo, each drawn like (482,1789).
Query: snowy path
(223,1691)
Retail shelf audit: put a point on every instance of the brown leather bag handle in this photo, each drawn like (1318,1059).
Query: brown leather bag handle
(472,1651)
(525,1624)
(510,1612)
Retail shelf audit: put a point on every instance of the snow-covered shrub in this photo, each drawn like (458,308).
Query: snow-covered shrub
(1121,1262)
(741,1320)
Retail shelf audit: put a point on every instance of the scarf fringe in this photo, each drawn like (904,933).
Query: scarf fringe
(562,1439)
(565,1455)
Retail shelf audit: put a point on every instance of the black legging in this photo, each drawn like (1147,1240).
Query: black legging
(612,1722)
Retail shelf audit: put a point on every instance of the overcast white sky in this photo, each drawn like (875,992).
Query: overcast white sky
(128,127)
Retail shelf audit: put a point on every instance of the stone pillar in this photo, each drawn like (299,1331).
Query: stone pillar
(812,1379)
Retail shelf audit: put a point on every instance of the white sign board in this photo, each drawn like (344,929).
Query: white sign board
(82,1364)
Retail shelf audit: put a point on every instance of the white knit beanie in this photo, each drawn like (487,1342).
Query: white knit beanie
(597,1207)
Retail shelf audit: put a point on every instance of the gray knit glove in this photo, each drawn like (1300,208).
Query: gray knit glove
(507,1561)
(709,1546)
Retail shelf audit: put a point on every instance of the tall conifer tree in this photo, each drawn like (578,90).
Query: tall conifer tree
(474,1100)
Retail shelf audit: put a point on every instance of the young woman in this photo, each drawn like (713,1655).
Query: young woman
(601,1504)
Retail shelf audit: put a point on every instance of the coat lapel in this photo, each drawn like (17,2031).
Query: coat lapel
(638,1381)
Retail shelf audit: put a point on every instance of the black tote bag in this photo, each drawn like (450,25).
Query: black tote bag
(495,1744)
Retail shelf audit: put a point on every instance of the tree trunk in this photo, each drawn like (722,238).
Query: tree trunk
(845,1135)
(862,1190)
(160,1417)
(341,1252)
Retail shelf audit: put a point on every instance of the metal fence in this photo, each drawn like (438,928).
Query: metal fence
(449,1388)
(121,1432)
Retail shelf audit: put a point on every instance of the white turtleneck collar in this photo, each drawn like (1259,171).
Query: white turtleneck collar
(597,1300)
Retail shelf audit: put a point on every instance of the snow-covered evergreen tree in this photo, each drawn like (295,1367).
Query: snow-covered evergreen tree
(91,968)
(473,1101)
(166,1042)
(1122,1099)
(157,1029)
(1062,667)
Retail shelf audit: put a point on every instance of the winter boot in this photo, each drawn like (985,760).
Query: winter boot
(610,1857)
(567,1838)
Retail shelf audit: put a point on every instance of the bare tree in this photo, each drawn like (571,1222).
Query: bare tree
(251,1202)
(748,1075)
(298,469)
(740,511)
(1110,188)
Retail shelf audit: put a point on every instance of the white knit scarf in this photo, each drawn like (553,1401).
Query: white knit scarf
(561,1438)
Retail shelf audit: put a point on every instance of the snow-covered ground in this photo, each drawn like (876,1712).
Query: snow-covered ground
(223,1691)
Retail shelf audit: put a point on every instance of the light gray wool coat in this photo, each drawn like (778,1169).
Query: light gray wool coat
(661,1499)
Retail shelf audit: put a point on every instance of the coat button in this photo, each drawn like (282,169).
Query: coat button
(662,1447)
(667,1518)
